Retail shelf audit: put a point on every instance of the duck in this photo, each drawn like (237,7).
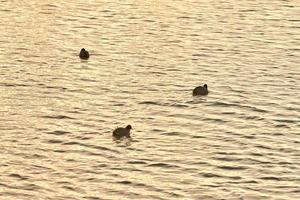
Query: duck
(200,90)
(122,132)
(84,54)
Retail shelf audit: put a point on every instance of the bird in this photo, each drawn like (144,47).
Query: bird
(200,90)
(84,54)
(122,132)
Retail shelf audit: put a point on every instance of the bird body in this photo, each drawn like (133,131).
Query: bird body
(84,54)
(122,132)
(200,90)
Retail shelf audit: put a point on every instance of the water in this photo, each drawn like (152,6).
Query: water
(57,113)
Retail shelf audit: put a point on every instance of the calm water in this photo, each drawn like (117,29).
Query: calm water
(57,113)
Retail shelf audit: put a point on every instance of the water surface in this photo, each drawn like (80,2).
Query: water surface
(57,113)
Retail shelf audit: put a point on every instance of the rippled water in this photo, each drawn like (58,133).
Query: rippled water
(57,113)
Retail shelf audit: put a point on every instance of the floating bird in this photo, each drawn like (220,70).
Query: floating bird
(84,54)
(122,132)
(200,90)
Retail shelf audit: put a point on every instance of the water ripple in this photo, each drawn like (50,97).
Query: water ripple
(58,112)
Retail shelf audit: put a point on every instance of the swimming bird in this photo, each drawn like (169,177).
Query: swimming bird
(122,132)
(200,90)
(84,54)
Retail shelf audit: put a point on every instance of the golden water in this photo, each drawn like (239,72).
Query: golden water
(57,113)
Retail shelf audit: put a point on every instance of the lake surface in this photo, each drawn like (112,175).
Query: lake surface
(57,112)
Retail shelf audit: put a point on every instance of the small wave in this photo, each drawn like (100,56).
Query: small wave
(248,10)
(125,182)
(38,156)
(212,175)
(57,117)
(14,85)
(227,158)
(18,176)
(71,143)
(150,103)
(157,130)
(285,163)
(198,136)
(259,161)
(199,55)
(263,147)
(103,148)
(223,104)
(59,151)
(232,167)
(128,169)
(163,165)
(31,187)
(136,162)
(54,141)
(253,118)
(215,120)
(256,154)
(281,126)
(249,136)
(119,104)
(90,146)
(179,105)
(92,198)
(69,188)
(271,178)
(58,132)
(287,120)
(172,133)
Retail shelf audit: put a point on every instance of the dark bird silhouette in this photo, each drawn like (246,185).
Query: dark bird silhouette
(122,132)
(84,54)
(200,90)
